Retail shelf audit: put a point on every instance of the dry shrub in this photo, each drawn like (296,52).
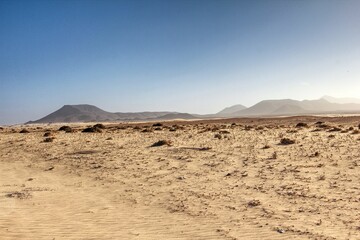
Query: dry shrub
(99,125)
(248,128)
(301,124)
(49,139)
(161,143)
(259,128)
(286,141)
(92,130)
(321,177)
(266,146)
(316,130)
(157,125)
(24,131)
(335,129)
(323,126)
(47,134)
(86,152)
(178,127)
(224,132)
(146,130)
(66,129)
(254,203)
(204,148)
(214,129)
(218,136)
(316,154)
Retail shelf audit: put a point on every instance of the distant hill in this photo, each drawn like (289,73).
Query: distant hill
(229,111)
(77,113)
(89,113)
(341,100)
(266,107)
(289,109)
(294,107)
(282,107)
(171,116)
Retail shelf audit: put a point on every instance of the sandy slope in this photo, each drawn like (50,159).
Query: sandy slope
(112,185)
(57,206)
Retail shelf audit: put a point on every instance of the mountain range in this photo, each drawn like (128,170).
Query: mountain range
(282,107)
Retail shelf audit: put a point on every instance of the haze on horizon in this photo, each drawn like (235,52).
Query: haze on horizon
(185,56)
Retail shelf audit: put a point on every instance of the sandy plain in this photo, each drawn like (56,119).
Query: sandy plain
(215,179)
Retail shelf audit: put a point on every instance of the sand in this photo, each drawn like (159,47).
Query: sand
(220,179)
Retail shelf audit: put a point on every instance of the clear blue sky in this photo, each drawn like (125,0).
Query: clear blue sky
(194,56)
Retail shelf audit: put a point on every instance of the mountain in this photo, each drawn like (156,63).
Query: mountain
(282,107)
(76,113)
(341,100)
(294,107)
(171,116)
(226,112)
(266,107)
(89,113)
(289,109)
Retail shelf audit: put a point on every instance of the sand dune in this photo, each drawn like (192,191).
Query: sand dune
(224,179)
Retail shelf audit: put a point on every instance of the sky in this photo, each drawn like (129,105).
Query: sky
(196,56)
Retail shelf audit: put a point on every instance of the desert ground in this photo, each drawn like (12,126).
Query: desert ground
(269,178)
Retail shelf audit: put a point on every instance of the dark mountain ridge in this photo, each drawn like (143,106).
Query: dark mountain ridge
(90,113)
